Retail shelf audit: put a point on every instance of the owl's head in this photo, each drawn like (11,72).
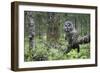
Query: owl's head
(68,26)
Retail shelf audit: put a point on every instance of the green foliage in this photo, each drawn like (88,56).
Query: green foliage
(84,52)
(43,52)
(47,28)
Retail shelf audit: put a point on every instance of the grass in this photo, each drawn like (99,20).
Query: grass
(44,51)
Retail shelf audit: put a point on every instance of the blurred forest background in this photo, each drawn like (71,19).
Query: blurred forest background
(49,37)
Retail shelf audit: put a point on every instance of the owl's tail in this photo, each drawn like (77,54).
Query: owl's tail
(84,39)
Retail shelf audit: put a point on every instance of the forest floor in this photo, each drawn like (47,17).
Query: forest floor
(44,51)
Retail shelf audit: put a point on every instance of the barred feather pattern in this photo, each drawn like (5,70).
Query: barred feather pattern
(73,37)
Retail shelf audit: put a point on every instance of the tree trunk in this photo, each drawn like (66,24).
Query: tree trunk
(53,32)
(31,31)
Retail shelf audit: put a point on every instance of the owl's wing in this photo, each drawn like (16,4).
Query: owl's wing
(75,37)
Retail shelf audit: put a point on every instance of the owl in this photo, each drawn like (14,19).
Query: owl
(71,35)
(73,38)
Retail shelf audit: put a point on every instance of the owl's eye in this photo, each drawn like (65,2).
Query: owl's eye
(69,24)
(65,25)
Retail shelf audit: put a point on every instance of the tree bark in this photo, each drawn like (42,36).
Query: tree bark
(31,31)
(53,32)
